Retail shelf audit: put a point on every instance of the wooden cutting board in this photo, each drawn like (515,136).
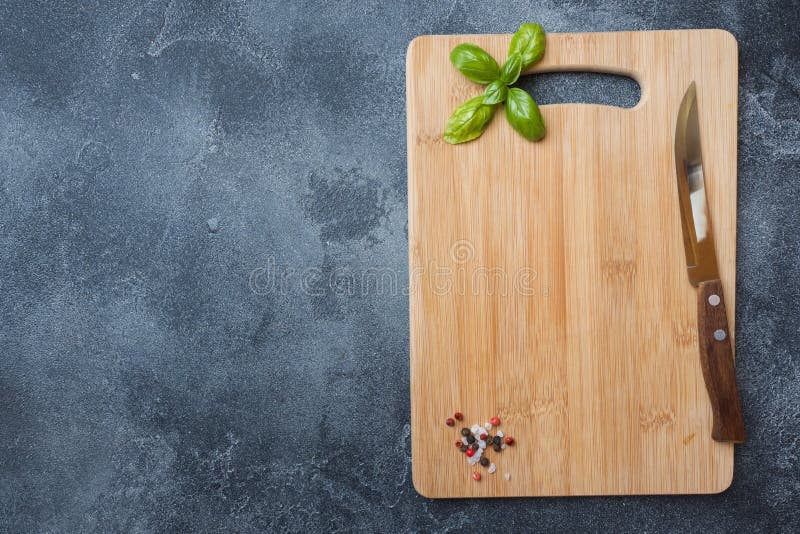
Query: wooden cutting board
(548,280)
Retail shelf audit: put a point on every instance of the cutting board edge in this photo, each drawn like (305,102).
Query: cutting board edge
(727,34)
(433,494)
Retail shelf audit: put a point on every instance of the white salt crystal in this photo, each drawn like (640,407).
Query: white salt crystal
(481,444)
(500,433)
(508,476)
(487,425)
(492,469)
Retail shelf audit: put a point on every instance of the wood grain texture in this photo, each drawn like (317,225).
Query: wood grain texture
(716,360)
(548,280)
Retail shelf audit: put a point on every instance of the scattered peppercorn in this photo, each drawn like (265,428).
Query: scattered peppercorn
(476,444)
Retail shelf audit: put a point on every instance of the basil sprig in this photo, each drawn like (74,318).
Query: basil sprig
(470,119)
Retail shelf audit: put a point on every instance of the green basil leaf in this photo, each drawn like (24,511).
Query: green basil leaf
(523,114)
(511,69)
(475,63)
(495,93)
(529,42)
(468,121)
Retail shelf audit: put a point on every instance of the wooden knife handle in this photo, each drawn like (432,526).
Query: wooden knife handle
(716,359)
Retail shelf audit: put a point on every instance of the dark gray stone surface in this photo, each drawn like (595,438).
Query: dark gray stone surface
(161,160)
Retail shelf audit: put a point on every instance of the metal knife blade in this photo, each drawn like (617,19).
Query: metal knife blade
(713,330)
(698,236)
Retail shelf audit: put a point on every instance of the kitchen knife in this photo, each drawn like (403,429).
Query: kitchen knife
(713,331)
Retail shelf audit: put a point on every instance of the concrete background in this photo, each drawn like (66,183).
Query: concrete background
(159,159)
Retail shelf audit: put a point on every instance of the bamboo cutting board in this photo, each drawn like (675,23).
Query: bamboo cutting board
(548,280)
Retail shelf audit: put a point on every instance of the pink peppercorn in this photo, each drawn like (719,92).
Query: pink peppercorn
(449,421)
(495,421)
(476,476)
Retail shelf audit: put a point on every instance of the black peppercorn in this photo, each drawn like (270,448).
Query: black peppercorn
(470,439)
(484,461)
(463,448)
(497,440)
(497,447)
(475,446)
(465,432)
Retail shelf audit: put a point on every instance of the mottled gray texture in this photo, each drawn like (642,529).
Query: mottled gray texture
(178,179)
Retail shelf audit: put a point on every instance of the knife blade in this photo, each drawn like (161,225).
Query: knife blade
(713,331)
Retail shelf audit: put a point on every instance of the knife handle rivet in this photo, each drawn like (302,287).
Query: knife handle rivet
(714,300)
(719,335)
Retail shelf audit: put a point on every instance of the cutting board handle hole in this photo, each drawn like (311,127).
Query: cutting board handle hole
(582,88)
